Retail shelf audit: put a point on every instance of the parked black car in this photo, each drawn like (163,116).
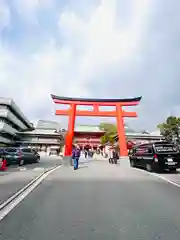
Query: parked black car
(20,155)
(157,156)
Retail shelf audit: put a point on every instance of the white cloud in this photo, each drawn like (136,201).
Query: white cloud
(89,46)
(100,39)
(5,17)
(28,9)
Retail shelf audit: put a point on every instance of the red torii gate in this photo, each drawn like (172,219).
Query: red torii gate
(119,113)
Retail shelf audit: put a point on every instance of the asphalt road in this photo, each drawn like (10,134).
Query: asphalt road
(98,201)
(15,178)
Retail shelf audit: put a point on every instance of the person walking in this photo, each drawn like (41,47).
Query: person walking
(115,156)
(75,156)
(85,153)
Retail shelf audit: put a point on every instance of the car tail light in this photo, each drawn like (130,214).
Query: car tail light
(155,158)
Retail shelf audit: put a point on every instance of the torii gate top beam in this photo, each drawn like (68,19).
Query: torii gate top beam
(100,102)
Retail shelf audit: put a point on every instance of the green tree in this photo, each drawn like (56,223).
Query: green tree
(110,132)
(170,128)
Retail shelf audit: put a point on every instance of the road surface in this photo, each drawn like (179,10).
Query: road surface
(15,178)
(98,201)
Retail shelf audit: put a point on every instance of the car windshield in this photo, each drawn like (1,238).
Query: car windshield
(166,148)
(11,150)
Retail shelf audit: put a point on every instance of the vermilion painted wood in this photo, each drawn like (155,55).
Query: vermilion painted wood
(119,114)
(95,113)
(70,134)
(121,132)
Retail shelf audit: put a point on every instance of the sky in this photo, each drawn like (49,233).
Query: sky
(91,48)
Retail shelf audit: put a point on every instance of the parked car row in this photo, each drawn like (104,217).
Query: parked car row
(19,155)
(157,156)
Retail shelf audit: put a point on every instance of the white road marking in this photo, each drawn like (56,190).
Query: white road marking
(38,169)
(23,169)
(160,177)
(13,201)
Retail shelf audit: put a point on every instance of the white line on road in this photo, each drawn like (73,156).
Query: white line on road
(23,169)
(13,201)
(160,177)
(38,169)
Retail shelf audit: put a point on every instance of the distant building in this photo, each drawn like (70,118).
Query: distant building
(12,121)
(88,136)
(134,137)
(46,137)
(45,124)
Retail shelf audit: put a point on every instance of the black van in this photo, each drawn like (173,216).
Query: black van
(155,156)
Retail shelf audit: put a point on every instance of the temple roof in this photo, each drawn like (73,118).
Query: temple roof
(95,128)
(136,99)
(88,129)
(47,124)
(42,132)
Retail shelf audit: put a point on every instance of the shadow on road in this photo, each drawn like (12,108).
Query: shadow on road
(81,167)
(165,172)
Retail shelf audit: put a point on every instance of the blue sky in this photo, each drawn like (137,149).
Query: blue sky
(91,48)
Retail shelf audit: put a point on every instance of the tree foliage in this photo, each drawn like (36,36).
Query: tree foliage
(110,132)
(170,128)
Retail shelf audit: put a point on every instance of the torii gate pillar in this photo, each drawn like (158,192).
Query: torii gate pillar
(70,133)
(121,131)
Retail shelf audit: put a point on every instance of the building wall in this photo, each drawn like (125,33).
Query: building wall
(7,114)
(15,109)
(42,140)
(45,140)
(12,121)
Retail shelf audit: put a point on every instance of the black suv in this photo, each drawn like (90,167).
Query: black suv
(157,156)
(20,155)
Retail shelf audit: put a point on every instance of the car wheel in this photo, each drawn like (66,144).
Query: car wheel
(149,167)
(173,170)
(21,162)
(132,163)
